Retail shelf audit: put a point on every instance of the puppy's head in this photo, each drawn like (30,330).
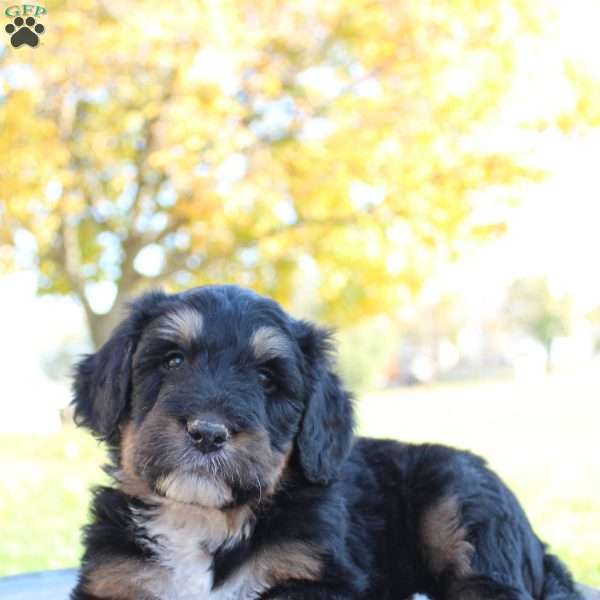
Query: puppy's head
(206,394)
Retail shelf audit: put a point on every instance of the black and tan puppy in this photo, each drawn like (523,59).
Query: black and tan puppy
(236,474)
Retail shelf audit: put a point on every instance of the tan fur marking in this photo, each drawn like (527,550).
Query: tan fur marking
(185,324)
(248,438)
(257,445)
(130,482)
(444,539)
(268,342)
(218,526)
(288,561)
(279,469)
(238,521)
(124,579)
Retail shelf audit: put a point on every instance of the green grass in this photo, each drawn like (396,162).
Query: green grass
(44,494)
(542,437)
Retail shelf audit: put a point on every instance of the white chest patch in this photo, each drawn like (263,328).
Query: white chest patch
(184,537)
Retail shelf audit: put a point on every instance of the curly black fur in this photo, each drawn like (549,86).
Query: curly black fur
(364,518)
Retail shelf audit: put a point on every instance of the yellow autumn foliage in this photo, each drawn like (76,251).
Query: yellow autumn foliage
(279,145)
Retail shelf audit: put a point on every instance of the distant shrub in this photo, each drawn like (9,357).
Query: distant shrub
(364,353)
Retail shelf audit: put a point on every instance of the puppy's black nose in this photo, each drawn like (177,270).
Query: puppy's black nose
(208,436)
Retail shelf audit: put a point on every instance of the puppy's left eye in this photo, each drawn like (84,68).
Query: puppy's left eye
(173,361)
(267,379)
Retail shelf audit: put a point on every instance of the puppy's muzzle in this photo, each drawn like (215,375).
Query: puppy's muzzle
(207,435)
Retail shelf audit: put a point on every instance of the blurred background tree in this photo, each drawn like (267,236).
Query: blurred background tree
(535,310)
(334,145)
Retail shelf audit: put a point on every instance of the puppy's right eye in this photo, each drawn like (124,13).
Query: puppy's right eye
(173,361)
(267,379)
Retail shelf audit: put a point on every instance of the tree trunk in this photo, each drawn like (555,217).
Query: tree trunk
(101,326)
(548,348)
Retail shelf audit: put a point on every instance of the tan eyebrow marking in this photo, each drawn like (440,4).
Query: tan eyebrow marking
(183,323)
(268,342)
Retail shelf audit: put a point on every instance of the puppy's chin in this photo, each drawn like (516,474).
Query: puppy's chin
(194,488)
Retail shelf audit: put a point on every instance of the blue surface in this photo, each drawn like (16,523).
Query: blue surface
(49,585)
(56,585)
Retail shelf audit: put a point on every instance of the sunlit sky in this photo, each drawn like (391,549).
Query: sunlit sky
(553,232)
(554,229)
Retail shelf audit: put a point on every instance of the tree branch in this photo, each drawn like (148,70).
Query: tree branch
(134,242)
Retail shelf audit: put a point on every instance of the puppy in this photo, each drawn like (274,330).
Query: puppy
(236,475)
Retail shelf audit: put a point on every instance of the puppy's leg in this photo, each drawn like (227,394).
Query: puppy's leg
(448,554)
(475,539)
(506,549)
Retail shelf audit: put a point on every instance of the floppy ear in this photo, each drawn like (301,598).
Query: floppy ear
(102,384)
(326,430)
